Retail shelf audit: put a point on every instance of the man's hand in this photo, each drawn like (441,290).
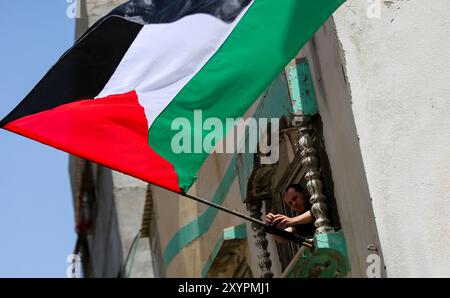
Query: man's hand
(279,220)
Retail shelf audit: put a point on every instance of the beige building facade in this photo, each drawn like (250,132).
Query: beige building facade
(363,126)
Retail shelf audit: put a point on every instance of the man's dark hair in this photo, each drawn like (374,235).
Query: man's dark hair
(296,187)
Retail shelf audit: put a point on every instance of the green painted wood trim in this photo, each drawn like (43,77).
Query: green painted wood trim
(330,255)
(236,232)
(301,87)
(334,241)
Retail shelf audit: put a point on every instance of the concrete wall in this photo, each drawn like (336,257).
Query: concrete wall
(398,71)
(129,198)
(105,247)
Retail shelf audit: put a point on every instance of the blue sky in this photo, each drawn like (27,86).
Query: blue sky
(36,213)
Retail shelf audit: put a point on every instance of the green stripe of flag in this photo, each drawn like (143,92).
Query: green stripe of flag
(268,36)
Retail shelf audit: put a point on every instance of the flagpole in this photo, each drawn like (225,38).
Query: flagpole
(220,207)
(269,228)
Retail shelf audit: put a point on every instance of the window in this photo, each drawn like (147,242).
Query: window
(291,171)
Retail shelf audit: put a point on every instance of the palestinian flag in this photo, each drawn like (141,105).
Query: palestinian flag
(113,96)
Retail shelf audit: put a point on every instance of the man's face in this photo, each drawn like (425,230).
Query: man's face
(296,200)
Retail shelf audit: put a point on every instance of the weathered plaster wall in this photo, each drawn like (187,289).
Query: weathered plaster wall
(398,69)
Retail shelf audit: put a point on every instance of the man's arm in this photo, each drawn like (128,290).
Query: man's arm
(287,223)
(282,221)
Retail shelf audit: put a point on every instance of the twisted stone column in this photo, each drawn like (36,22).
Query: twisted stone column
(261,242)
(308,155)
